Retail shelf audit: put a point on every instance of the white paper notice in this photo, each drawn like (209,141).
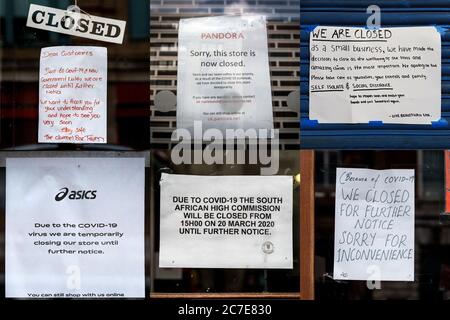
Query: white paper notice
(226,222)
(75,228)
(391,75)
(76,24)
(223,73)
(73,95)
(374,227)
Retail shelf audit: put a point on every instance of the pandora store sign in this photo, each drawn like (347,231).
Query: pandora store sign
(76,24)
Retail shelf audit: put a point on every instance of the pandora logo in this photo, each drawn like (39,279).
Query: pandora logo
(222,35)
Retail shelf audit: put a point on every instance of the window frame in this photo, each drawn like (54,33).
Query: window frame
(306,245)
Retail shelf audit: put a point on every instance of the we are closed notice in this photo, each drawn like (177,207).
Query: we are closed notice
(223,73)
(391,75)
(374,230)
(73,95)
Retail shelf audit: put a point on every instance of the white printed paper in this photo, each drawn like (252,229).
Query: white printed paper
(391,75)
(374,227)
(226,222)
(76,24)
(75,228)
(73,95)
(223,73)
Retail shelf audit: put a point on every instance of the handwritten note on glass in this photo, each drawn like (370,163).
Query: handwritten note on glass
(73,95)
(374,228)
(391,75)
(242,222)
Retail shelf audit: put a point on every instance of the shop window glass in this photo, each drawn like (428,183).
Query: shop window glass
(128,119)
(432,257)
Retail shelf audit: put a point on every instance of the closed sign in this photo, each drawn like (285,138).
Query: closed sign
(76,24)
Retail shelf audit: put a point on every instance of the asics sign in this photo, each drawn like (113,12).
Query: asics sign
(75,195)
